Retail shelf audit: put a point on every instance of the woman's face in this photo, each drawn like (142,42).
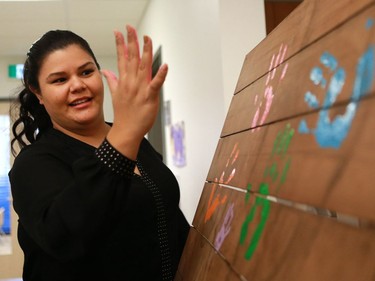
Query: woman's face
(71,89)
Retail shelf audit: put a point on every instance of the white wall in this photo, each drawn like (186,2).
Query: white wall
(189,32)
(204,44)
(242,27)
(8,86)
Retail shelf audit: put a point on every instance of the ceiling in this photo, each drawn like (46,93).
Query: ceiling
(23,22)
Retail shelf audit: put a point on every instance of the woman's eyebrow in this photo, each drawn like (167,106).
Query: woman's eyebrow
(63,72)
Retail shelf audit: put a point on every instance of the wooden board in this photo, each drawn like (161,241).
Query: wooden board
(289,194)
(283,242)
(282,92)
(311,20)
(298,168)
(199,260)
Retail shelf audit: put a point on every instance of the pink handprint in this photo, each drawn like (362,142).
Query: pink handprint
(260,117)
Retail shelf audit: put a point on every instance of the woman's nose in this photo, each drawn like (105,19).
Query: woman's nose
(77,84)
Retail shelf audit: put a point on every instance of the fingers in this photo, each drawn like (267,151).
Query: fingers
(133,69)
(111,79)
(158,81)
(133,50)
(145,66)
(128,58)
(122,53)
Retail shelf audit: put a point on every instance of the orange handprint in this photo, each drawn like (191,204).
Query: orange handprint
(213,203)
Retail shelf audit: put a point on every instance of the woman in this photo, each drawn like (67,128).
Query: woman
(95,201)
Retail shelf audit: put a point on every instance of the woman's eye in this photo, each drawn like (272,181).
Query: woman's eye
(58,80)
(87,72)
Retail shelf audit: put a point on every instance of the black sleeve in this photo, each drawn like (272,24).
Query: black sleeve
(63,207)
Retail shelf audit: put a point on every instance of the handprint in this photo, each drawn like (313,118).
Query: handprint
(225,227)
(276,171)
(263,205)
(332,133)
(263,111)
(213,203)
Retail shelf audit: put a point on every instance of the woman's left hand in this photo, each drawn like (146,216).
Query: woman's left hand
(135,94)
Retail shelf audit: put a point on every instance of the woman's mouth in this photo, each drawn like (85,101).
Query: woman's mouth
(80,101)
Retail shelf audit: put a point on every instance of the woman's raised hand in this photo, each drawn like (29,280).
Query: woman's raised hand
(135,94)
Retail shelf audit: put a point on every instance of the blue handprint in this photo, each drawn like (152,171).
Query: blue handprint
(332,133)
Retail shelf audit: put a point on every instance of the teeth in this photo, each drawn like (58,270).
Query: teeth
(79,102)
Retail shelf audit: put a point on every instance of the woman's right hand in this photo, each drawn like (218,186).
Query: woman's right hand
(135,94)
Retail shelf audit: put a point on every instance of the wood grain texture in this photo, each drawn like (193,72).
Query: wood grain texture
(306,24)
(329,178)
(282,92)
(201,262)
(293,245)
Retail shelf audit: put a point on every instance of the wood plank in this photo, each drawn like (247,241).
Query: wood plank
(306,24)
(283,243)
(306,167)
(304,83)
(201,262)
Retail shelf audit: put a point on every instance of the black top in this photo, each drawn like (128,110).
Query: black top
(84,214)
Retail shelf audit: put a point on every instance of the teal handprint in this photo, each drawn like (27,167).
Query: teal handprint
(331,133)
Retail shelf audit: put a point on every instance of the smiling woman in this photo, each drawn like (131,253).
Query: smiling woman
(71,90)
(79,180)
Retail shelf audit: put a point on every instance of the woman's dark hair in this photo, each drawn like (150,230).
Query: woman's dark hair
(31,119)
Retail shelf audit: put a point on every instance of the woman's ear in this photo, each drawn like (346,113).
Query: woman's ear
(37,94)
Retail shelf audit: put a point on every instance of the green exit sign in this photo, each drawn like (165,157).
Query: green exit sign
(15,71)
